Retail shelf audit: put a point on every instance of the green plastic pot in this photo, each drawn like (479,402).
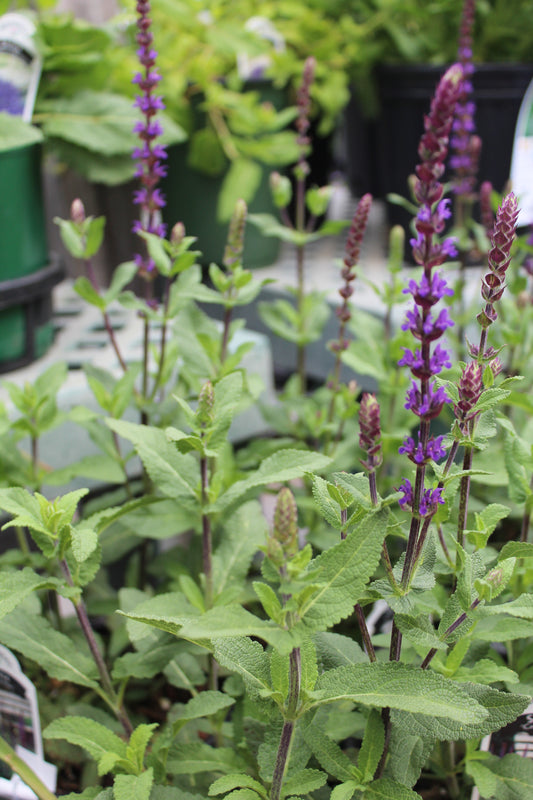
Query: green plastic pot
(26,276)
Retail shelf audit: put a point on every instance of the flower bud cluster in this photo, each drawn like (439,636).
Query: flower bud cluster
(235,242)
(351,258)
(499,257)
(465,144)
(370,431)
(303,122)
(427,324)
(150,154)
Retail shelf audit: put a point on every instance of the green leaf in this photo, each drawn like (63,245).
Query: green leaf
(387,789)
(521,607)
(335,650)
(516,550)
(248,659)
(82,285)
(269,601)
(304,781)
(84,541)
(203,705)
(342,573)
(228,782)
(507,778)
(328,507)
(138,743)
(400,686)
(96,739)
(133,787)
(372,745)
(501,707)
(344,791)
(190,759)
(56,653)
(144,664)
(420,631)
(174,474)
(122,275)
(240,183)
(17,133)
(285,465)
(16,586)
(100,122)
(328,753)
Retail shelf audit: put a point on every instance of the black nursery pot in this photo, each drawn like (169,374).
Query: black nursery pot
(405,93)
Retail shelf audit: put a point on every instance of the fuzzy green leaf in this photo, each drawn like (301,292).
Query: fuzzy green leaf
(372,746)
(244,532)
(507,778)
(342,573)
(400,686)
(133,787)
(501,708)
(203,705)
(419,631)
(305,781)
(16,586)
(521,607)
(228,782)
(328,754)
(387,789)
(269,601)
(144,664)
(344,791)
(335,650)
(56,653)
(248,659)
(174,474)
(190,759)
(138,743)
(96,739)
(285,465)
(516,550)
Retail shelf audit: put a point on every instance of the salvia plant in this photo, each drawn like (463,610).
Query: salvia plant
(207,628)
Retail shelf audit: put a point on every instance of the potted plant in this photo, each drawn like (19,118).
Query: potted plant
(412,42)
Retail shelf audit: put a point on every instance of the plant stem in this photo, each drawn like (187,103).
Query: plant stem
(225,335)
(459,621)
(369,647)
(9,756)
(207,544)
(107,322)
(85,624)
(463,497)
(289,724)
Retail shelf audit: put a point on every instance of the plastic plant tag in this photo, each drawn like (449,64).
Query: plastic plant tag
(21,728)
(522,159)
(517,737)
(20,66)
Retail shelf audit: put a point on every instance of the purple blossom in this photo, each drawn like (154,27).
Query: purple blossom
(428,291)
(427,327)
(467,147)
(418,454)
(429,500)
(428,404)
(414,360)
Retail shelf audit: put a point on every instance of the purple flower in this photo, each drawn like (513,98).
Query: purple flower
(427,404)
(418,454)
(427,327)
(428,291)
(150,154)
(467,147)
(429,500)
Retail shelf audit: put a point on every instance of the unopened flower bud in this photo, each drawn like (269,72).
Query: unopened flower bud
(286,522)
(235,241)
(77,211)
(281,189)
(370,431)
(470,389)
(177,234)
(206,401)
(317,199)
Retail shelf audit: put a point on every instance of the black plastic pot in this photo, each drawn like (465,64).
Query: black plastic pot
(405,95)
(385,150)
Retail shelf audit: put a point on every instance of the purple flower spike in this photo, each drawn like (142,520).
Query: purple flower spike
(493,283)
(428,405)
(150,154)
(466,146)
